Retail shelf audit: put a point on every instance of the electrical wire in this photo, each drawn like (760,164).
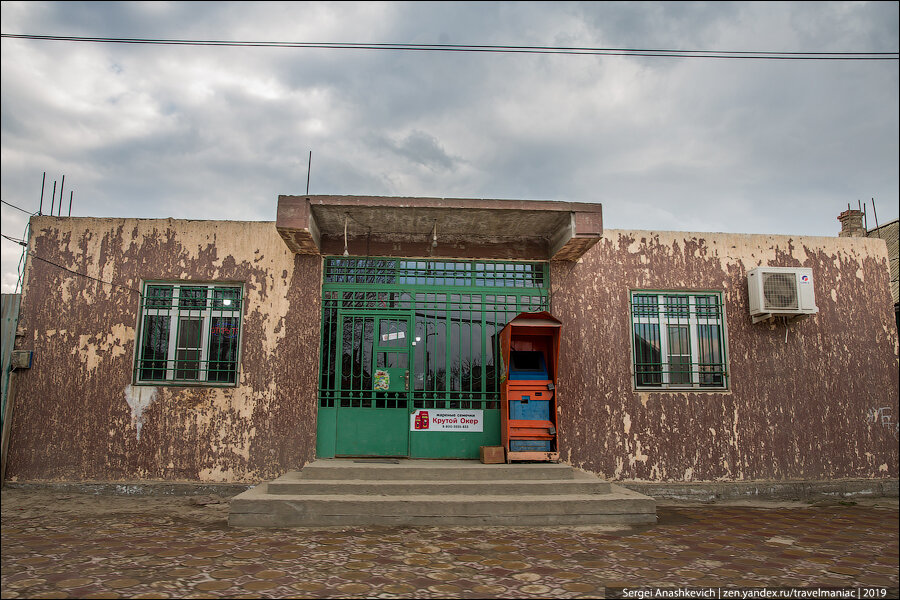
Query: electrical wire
(484,48)
(12,239)
(124,287)
(17,208)
(34,256)
(20,270)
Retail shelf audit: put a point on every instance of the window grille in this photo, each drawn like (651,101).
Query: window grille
(189,334)
(407,272)
(678,340)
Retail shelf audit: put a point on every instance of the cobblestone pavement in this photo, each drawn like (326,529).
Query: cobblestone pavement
(146,549)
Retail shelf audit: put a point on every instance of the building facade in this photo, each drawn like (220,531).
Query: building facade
(853,224)
(221,351)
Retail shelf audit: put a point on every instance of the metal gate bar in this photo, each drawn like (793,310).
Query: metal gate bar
(457,311)
(454,311)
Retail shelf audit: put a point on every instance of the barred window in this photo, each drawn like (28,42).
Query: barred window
(679,340)
(189,334)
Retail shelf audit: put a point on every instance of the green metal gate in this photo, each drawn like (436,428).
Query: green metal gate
(403,335)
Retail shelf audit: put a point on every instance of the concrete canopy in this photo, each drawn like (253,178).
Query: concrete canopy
(464,228)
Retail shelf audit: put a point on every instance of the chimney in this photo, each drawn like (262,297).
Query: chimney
(851,223)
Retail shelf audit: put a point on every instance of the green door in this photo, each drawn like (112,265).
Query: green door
(372,417)
(407,342)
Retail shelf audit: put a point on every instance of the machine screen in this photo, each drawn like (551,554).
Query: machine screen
(527,365)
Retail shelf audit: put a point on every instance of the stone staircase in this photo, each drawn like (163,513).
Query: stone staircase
(367,492)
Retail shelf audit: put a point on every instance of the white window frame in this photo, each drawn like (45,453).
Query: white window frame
(176,314)
(693,321)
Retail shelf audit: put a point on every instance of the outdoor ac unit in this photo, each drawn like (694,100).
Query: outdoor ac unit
(781,291)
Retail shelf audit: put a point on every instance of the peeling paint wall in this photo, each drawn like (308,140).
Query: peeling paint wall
(820,405)
(78,415)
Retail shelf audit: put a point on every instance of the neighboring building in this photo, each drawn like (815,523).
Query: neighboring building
(889,233)
(9,314)
(852,225)
(235,351)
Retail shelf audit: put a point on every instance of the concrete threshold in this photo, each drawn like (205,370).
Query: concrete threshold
(133,488)
(802,491)
(699,492)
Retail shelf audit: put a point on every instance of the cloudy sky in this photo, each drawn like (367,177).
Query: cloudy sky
(757,146)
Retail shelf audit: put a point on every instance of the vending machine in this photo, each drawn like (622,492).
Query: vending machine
(529,354)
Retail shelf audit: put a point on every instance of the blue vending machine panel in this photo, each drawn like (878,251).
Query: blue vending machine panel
(529,410)
(529,445)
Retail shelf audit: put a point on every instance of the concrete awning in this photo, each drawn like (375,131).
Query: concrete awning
(465,228)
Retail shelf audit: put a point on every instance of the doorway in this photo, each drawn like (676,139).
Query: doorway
(407,339)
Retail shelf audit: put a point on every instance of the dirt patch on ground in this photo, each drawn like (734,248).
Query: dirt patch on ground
(36,503)
(882,502)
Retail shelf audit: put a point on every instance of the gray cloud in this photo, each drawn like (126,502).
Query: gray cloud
(154,131)
(417,147)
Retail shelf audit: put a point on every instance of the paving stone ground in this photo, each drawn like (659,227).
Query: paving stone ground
(79,546)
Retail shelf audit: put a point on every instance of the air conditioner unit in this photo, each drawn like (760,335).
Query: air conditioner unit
(781,291)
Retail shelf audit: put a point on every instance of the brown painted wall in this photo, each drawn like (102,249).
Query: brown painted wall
(77,416)
(797,409)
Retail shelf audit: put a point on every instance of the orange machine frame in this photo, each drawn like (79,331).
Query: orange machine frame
(530,331)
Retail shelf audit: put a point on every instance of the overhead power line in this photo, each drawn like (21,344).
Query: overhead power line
(12,239)
(86,276)
(658,53)
(17,208)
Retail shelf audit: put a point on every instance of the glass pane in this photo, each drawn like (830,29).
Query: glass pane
(491,373)
(392,333)
(223,346)
(356,366)
(187,353)
(192,297)
(456,365)
(154,348)
(644,305)
(707,307)
(712,369)
(189,333)
(679,355)
(227,298)
(436,357)
(329,349)
(158,296)
(678,306)
(393,360)
(187,364)
(419,342)
(647,354)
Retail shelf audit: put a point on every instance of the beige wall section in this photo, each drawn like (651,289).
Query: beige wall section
(821,404)
(78,414)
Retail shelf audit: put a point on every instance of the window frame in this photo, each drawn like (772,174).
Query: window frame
(664,314)
(177,308)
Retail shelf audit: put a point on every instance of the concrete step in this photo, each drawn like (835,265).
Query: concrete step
(258,508)
(293,484)
(426,492)
(432,470)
